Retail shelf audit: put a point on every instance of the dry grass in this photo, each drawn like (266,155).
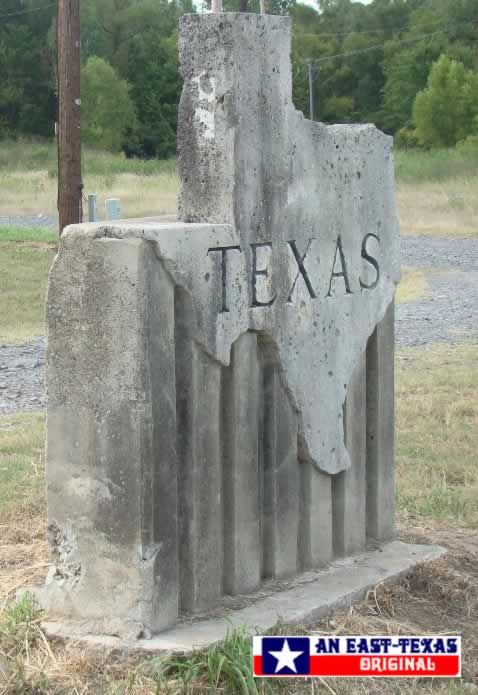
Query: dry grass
(23,548)
(23,281)
(446,208)
(441,208)
(436,598)
(413,285)
(437,191)
(30,193)
(437,433)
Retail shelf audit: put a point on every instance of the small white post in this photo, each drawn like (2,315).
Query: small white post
(113,209)
(92,216)
(216,6)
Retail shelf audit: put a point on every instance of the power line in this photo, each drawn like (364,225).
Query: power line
(320,34)
(32,9)
(311,63)
(376,47)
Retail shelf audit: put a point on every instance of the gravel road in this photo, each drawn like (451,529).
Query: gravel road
(449,310)
(31,221)
(447,313)
(22,369)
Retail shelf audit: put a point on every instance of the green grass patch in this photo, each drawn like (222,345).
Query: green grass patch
(23,281)
(41,155)
(8,233)
(225,667)
(22,445)
(419,166)
(437,434)
(411,166)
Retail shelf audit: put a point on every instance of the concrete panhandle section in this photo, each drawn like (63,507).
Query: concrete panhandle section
(313,205)
(221,389)
(312,596)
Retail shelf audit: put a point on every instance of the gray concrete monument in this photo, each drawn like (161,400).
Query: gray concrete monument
(221,389)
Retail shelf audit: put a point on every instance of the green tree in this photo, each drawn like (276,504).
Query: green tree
(107,109)
(27,84)
(390,47)
(153,66)
(406,73)
(445,111)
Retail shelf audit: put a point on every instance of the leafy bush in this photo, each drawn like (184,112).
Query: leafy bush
(407,138)
(445,111)
(107,110)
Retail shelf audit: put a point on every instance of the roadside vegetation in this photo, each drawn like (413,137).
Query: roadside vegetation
(25,258)
(437,190)
(413,285)
(437,434)
(29,180)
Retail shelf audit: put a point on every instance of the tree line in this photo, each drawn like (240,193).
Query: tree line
(409,66)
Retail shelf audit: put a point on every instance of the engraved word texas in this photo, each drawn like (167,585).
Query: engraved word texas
(259,270)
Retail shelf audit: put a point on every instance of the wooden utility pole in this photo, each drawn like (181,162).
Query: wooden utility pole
(311,92)
(70,185)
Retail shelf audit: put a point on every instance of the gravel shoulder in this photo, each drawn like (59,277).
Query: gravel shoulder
(447,313)
(449,310)
(22,375)
(31,221)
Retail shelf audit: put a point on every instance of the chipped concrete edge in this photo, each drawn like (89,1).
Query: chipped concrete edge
(341,585)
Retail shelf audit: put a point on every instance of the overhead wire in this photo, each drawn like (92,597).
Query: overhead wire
(372,31)
(368,49)
(19,13)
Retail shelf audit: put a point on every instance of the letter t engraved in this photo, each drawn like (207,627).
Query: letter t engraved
(224,250)
(302,271)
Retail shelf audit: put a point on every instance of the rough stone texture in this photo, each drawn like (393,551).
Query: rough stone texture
(247,158)
(349,487)
(315,531)
(242,547)
(198,380)
(312,596)
(200,373)
(111,436)
(381,431)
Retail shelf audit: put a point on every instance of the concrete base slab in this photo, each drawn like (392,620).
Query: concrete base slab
(304,601)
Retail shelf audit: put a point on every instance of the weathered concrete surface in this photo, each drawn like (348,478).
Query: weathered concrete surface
(111,442)
(198,371)
(381,430)
(294,190)
(349,488)
(312,596)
